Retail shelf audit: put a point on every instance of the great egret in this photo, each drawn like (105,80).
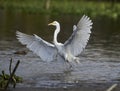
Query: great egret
(69,50)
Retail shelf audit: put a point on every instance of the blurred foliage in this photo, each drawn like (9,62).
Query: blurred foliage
(80,7)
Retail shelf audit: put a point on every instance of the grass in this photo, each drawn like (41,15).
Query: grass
(63,7)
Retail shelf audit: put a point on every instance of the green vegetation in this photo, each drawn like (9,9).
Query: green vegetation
(63,7)
(11,78)
(5,77)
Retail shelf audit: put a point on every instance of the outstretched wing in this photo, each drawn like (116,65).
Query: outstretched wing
(45,50)
(80,36)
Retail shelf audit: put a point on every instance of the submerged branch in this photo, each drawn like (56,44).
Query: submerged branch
(112,87)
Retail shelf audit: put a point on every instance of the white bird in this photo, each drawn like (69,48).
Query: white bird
(69,50)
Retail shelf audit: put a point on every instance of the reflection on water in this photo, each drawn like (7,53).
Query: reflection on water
(99,61)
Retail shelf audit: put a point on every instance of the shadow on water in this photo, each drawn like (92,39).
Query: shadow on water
(100,62)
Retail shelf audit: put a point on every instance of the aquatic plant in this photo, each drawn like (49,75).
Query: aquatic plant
(11,78)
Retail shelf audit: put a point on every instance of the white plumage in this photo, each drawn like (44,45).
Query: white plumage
(69,50)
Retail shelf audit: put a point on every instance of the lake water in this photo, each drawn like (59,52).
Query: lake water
(100,61)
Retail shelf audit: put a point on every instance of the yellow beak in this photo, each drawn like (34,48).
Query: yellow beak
(50,24)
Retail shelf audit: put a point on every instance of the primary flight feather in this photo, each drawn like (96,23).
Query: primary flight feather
(69,50)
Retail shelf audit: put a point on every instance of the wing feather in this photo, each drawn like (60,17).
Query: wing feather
(79,38)
(45,50)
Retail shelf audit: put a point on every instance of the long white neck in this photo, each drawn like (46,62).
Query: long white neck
(57,30)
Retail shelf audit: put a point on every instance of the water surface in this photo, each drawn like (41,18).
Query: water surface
(100,61)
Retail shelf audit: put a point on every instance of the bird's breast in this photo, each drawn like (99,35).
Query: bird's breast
(60,49)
